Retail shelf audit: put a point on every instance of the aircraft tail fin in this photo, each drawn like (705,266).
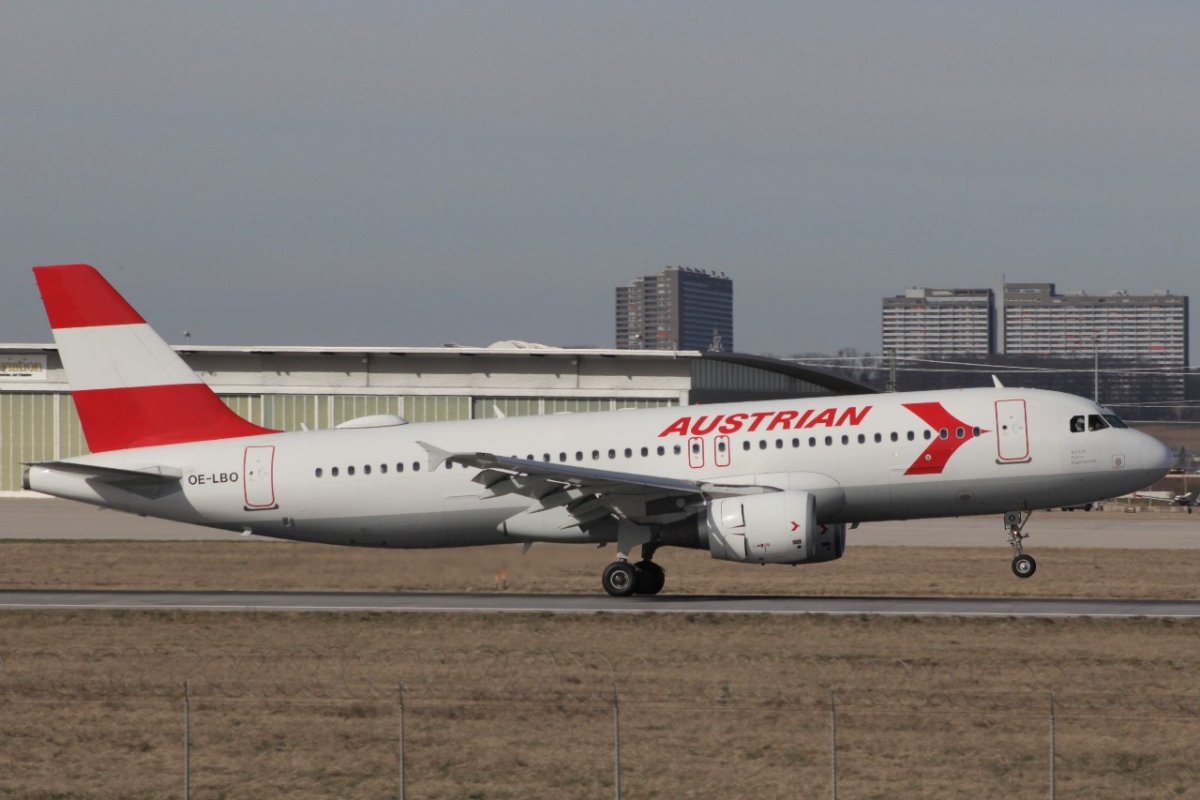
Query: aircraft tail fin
(130,388)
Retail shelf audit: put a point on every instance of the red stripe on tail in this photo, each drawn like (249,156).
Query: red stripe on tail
(77,296)
(115,419)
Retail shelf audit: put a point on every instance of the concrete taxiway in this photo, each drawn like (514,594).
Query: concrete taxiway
(589,604)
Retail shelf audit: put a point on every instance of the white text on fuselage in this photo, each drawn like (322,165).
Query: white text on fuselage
(766,421)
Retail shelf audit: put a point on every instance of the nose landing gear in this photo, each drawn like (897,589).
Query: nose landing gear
(1023,566)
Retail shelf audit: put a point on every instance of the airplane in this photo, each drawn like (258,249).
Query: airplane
(1171,498)
(765,482)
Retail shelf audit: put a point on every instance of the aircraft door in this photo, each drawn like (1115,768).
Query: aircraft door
(721,451)
(258,478)
(696,452)
(1012,432)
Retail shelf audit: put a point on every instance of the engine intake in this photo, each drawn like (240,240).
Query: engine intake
(771,528)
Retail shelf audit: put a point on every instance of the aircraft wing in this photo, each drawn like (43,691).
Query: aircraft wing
(590,494)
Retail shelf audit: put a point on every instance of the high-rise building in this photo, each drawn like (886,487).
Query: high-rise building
(938,322)
(677,309)
(1122,348)
(1149,329)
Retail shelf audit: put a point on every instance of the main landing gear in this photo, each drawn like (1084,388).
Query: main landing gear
(1023,566)
(622,579)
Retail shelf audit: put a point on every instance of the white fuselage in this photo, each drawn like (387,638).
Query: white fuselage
(866,457)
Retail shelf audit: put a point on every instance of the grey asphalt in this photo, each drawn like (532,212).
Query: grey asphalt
(590,604)
(34,518)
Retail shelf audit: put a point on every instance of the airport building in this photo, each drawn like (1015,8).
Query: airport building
(294,388)
(677,309)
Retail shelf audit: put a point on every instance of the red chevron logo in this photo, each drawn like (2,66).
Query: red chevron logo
(949,432)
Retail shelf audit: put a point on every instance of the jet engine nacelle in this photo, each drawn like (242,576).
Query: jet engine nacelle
(771,528)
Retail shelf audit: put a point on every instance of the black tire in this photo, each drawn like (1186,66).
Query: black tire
(650,578)
(1024,566)
(620,579)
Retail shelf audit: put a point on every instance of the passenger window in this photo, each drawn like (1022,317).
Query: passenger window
(629,452)
(320,472)
(828,441)
(912,436)
(383,469)
(646,451)
(762,444)
(746,445)
(416,466)
(578,456)
(334,472)
(612,453)
(720,447)
(895,436)
(595,455)
(795,442)
(349,470)
(545,456)
(928,435)
(960,433)
(975,431)
(562,457)
(677,449)
(861,439)
(367,468)
(878,438)
(845,439)
(662,451)
(399,468)
(812,441)
(942,434)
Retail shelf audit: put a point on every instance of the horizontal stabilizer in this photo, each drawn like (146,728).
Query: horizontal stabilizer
(114,476)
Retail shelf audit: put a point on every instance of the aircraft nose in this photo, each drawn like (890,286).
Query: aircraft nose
(1156,455)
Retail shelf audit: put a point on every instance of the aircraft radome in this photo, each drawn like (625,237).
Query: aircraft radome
(773,482)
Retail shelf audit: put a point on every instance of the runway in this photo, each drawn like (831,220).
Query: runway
(589,604)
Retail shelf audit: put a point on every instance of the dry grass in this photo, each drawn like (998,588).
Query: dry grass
(497,707)
(894,571)
(304,706)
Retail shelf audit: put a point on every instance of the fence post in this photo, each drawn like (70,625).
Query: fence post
(833,741)
(1053,787)
(400,741)
(187,740)
(616,743)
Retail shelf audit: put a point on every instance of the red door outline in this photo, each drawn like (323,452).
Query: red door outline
(696,452)
(258,477)
(1012,431)
(721,451)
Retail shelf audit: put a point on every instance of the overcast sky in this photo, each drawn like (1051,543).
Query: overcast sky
(417,173)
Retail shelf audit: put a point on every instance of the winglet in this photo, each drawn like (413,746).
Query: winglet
(996,381)
(437,456)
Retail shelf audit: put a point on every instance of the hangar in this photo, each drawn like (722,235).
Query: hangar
(295,388)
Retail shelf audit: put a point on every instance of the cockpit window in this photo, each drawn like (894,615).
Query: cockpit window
(1077,424)
(1115,421)
(1096,422)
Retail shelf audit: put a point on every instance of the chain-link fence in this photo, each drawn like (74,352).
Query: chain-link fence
(333,724)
